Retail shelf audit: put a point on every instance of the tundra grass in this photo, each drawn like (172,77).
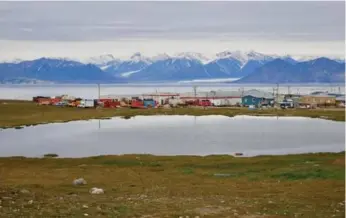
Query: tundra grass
(20,113)
(306,185)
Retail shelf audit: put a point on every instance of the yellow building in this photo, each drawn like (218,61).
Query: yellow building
(318,100)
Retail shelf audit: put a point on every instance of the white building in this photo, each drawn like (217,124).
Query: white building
(217,98)
(161,97)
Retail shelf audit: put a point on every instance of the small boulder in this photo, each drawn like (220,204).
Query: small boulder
(96,191)
(24,191)
(79,181)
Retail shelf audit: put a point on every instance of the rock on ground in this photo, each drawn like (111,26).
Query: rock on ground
(79,181)
(96,191)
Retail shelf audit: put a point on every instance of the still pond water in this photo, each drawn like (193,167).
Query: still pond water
(176,135)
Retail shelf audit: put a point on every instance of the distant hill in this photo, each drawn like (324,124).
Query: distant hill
(320,70)
(54,70)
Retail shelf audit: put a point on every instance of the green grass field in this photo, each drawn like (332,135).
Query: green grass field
(19,113)
(307,185)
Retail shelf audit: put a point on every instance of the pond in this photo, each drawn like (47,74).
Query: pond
(176,135)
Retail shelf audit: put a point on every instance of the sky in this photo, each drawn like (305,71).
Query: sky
(80,30)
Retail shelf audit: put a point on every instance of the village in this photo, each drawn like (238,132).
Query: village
(252,99)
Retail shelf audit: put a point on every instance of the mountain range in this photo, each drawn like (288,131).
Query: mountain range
(320,70)
(250,67)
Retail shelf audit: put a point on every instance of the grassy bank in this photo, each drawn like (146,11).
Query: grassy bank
(308,185)
(18,113)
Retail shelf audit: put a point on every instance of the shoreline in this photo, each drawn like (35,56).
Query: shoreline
(18,114)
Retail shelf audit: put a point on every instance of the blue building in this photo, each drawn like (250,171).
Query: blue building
(257,98)
(149,103)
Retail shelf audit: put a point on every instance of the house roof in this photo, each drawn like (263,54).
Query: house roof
(117,96)
(210,94)
(321,95)
(161,94)
(220,93)
(258,94)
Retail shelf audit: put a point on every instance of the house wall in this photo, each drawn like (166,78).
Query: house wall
(161,99)
(250,100)
(317,100)
(234,101)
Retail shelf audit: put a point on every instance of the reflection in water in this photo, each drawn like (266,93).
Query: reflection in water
(176,135)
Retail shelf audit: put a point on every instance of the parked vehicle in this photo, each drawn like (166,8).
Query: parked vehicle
(203,103)
(61,104)
(44,102)
(110,104)
(285,105)
(252,107)
(137,103)
(87,103)
(146,103)
(37,99)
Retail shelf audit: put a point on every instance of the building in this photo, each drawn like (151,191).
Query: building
(317,100)
(340,101)
(293,99)
(257,98)
(161,97)
(217,98)
(118,97)
(226,98)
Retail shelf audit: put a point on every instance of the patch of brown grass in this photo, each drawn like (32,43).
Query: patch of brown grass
(153,186)
(339,161)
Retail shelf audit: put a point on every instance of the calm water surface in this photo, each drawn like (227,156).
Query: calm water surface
(176,135)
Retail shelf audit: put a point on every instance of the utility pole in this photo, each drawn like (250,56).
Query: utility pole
(206,99)
(277,93)
(195,91)
(99,91)
(339,90)
(288,90)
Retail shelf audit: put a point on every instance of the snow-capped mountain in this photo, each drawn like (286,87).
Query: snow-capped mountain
(172,69)
(101,60)
(244,57)
(320,70)
(193,56)
(126,68)
(163,67)
(54,70)
(160,57)
(138,57)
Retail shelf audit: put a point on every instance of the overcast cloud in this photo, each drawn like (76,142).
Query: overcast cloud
(91,28)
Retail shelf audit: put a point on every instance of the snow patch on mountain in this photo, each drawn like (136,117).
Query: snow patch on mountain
(244,57)
(127,74)
(160,57)
(138,57)
(101,60)
(193,56)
